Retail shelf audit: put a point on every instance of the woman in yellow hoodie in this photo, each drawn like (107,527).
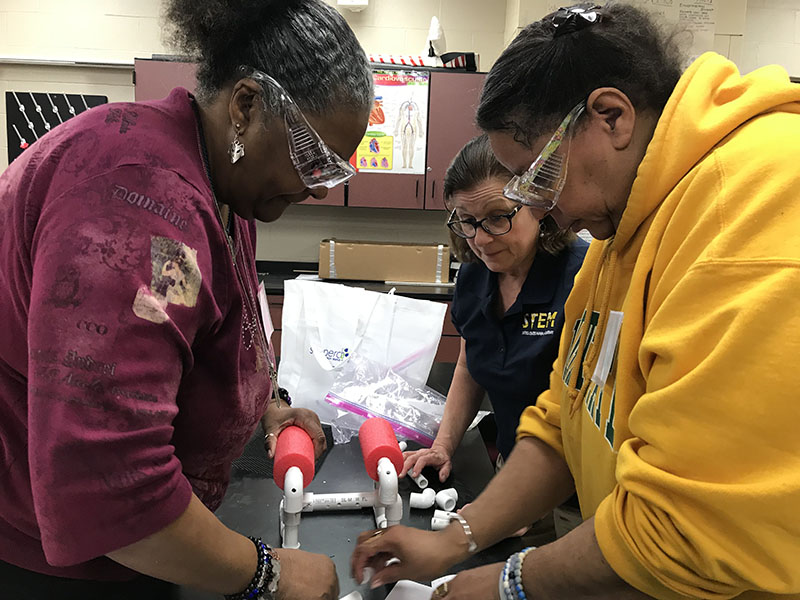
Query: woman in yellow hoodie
(671,409)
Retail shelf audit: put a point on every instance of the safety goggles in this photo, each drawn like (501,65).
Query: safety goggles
(316,164)
(540,186)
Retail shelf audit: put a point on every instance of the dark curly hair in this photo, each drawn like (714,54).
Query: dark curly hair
(474,164)
(306,45)
(540,77)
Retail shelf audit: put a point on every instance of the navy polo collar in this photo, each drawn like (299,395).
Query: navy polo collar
(540,285)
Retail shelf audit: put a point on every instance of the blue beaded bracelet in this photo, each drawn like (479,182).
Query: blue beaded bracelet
(511,586)
(264,584)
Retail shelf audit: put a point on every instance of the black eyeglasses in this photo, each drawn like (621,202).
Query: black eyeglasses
(493,225)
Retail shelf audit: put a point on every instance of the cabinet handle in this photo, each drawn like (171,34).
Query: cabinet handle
(433,190)
(416,190)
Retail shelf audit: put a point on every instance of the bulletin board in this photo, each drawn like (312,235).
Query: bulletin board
(396,137)
(30,115)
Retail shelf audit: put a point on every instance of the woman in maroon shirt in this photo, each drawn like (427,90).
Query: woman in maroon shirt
(133,364)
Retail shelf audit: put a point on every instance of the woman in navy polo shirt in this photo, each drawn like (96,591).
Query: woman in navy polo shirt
(508,304)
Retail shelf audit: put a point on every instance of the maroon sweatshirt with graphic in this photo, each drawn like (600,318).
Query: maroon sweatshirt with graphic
(130,369)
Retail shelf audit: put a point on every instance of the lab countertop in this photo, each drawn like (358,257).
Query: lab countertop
(252,503)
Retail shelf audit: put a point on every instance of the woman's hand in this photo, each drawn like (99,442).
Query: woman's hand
(306,576)
(422,555)
(437,456)
(481,583)
(277,419)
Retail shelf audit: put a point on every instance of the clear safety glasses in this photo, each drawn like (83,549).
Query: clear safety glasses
(540,186)
(315,163)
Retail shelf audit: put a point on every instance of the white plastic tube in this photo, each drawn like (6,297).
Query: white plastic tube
(291,528)
(380,517)
(443,514)
(293,490)
(437,524)
(339,501)
(423,500)
(446,499)
(421,481)
(403,446)
(387,481)
(394,511)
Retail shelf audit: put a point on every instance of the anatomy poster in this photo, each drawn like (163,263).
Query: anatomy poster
(395,140)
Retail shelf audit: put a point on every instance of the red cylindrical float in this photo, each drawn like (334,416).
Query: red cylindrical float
(294,449)
(377,441)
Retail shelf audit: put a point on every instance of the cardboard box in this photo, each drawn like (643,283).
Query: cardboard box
(384,261)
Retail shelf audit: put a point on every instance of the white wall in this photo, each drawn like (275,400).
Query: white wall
(772,35)
(401,26)
(111,31)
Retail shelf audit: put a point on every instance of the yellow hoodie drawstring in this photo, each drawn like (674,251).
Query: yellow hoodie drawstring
(576,396)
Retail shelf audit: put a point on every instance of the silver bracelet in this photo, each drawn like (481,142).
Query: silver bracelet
(473,546)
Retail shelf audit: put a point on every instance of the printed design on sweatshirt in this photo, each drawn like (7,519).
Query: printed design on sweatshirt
(111,240)
(176,279)
(66,291)
(160,209)
(595,394)
(126,117)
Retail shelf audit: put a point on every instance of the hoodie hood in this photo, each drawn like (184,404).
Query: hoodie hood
(710,101)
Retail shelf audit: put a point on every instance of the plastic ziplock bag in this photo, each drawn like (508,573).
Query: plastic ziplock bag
(365,389)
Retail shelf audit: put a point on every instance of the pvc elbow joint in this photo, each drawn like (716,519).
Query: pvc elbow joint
(387,481)
(293,490)
(425,499)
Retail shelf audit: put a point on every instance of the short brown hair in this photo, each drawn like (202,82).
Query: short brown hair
(474,164)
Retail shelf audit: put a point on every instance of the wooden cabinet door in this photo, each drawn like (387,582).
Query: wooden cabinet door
(386,190)
(451,124)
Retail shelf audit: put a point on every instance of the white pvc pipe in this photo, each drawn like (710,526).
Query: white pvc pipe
(387,481)
(291,530)
(293,490)
(421,481)
(443,514)
(380,517)
(403,446)
(394,511)
(339,501)
(446,499)
(437,524)
(423,500)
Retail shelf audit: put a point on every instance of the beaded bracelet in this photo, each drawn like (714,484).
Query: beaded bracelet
(510,585)
(264,584)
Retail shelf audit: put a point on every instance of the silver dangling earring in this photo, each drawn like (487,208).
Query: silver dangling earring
(236,151)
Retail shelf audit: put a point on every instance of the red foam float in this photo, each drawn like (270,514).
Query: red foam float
(377,441)
(294,449)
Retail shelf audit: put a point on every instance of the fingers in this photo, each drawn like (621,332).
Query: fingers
(394,572)
(444,471)
(372,550)
(427,459)
(308,420)
(271,442)
(410,458)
